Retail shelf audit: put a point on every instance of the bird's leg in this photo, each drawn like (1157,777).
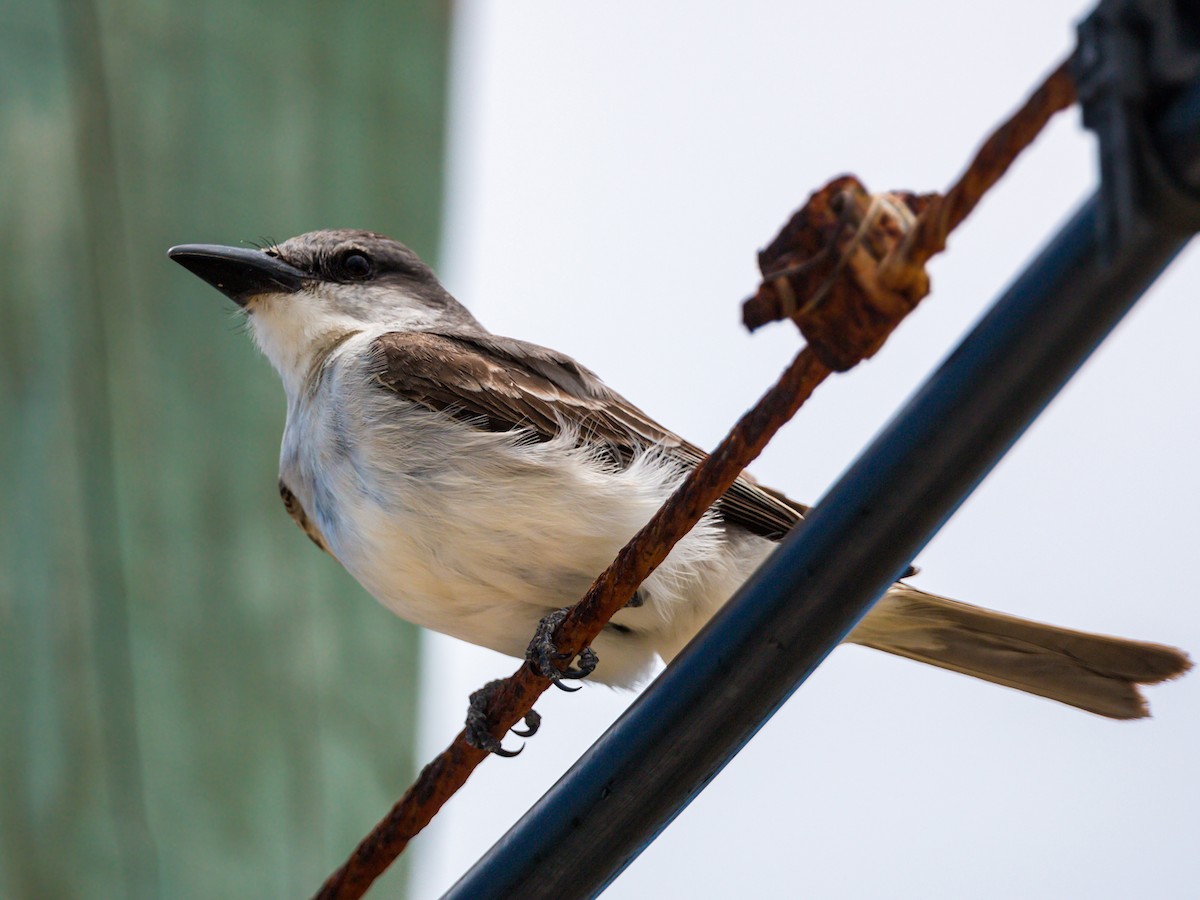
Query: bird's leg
(479,725)
(545,657)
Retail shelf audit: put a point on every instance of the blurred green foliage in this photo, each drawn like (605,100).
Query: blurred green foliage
(194,702)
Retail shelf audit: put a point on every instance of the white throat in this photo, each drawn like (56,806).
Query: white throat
(294,330)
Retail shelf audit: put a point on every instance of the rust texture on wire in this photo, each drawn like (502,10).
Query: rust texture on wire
(858,259)
(844,236)
(991,161)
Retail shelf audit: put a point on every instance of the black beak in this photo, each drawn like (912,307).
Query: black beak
(239,274)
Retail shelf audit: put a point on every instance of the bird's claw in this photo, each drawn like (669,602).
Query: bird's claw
(533,721)
(544,656)
(478,729)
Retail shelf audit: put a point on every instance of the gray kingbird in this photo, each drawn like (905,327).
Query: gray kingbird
(475,483)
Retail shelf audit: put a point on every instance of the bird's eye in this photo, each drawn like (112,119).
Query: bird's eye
(356,266)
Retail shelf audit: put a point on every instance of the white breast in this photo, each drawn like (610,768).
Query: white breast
(478,535)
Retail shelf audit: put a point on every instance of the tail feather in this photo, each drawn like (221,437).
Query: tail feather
(1093,672)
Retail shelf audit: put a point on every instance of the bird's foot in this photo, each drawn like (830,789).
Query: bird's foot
(545,657)
(479,725)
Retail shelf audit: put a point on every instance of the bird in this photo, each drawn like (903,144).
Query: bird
(475,484)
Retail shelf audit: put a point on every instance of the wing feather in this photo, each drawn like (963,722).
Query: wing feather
(300,517)
(504,384)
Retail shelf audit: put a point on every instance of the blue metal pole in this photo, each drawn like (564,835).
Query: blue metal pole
(858,539)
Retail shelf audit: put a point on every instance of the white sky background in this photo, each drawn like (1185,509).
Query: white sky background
(613,169)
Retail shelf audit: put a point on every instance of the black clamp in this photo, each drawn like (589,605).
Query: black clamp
(1134,57)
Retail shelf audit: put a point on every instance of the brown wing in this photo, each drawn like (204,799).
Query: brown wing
(503,384)
(300,517)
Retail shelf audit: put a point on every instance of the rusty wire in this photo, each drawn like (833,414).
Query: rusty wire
(513,697)
(991,161)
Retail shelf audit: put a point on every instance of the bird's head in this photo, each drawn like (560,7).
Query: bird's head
(309,292)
